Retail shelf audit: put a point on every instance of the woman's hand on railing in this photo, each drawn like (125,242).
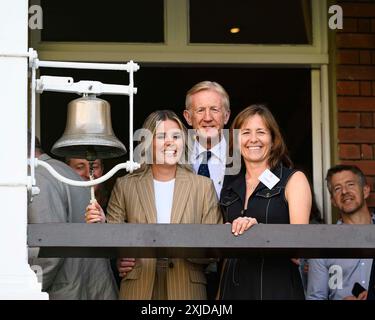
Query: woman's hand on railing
(241,224)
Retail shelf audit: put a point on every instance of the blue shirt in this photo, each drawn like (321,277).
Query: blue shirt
(333,279)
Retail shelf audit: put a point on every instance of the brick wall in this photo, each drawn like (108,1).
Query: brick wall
(355,47)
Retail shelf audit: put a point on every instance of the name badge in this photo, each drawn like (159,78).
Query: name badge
(268,179)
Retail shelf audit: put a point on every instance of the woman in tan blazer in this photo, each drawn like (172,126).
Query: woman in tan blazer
(186,198)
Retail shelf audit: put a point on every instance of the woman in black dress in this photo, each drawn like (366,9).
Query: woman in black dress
(284,196)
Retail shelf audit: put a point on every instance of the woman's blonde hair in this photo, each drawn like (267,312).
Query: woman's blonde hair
(279,151)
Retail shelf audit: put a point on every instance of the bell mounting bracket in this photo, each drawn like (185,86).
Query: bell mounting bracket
(67,84)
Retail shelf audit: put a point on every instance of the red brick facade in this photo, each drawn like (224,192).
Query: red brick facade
(355,47)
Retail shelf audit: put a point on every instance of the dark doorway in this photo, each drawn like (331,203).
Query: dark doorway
(287,92)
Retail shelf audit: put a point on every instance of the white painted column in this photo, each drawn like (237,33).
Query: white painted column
(17,280)
(326,149)
(317,141)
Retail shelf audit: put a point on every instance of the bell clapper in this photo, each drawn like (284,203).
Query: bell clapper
(91,156)
(92,188)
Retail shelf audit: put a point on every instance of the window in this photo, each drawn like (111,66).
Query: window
(285,91)
(103,21)
(255,21)
(290,46)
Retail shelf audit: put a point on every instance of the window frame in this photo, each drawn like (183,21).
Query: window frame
(177,50)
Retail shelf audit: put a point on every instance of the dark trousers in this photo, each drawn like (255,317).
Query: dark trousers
(213,281)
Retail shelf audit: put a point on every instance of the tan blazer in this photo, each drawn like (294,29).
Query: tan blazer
(194,201)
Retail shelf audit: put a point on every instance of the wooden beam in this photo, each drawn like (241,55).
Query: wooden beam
(198,241)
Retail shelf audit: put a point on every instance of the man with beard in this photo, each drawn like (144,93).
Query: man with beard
(347,279)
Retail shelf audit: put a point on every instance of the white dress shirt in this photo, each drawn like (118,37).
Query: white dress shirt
(216,164)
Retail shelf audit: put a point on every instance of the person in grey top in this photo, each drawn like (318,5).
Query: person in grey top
(334,279)
(67,278)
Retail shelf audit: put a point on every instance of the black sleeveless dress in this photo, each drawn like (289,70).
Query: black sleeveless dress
(259,278)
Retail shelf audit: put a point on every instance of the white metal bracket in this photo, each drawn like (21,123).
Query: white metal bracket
(67,84)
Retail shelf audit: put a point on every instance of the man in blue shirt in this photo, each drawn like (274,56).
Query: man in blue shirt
(334,279)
